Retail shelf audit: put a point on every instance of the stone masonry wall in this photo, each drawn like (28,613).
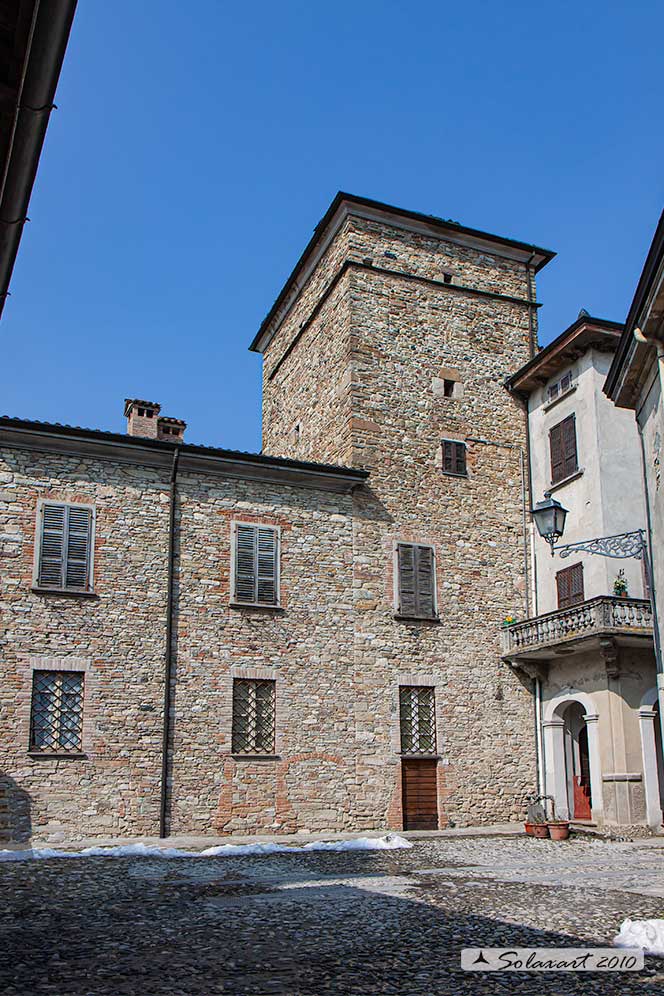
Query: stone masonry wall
(402,333)
(306,647)
(116,638)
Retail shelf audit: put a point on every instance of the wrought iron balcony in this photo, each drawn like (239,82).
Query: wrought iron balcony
(605,616)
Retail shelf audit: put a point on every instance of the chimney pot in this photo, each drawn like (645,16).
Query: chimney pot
(143,419)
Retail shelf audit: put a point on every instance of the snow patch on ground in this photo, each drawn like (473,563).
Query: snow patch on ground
(646,934)
(388,843)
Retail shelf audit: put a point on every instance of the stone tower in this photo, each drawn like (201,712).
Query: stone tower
(387,349)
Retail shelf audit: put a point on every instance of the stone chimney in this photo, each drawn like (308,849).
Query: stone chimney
(143,419)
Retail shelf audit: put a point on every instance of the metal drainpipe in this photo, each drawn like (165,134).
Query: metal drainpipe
(168,656)
(531,327)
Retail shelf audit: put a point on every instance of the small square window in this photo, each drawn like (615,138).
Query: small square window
(454,457)
(448,388)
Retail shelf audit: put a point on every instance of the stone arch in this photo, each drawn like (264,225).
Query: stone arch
(553,725)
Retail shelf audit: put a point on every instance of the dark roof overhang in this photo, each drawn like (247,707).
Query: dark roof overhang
(583,334)
(345,204)
(93,443)
(36,36)
(634,357)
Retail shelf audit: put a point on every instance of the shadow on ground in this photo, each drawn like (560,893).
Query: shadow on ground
(301,925)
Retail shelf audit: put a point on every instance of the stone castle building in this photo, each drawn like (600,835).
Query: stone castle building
(198,640)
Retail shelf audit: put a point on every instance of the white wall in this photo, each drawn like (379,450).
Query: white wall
(607,495)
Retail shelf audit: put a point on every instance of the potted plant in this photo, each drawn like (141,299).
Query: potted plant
(558,829)
(540,830)
(620,585)
(536,823)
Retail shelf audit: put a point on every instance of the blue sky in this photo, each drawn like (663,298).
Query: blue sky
(196,146)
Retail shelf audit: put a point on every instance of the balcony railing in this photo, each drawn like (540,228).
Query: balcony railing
(605,614)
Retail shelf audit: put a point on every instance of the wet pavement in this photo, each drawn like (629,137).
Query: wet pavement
(324,922)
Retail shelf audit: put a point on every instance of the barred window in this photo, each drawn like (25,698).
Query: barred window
(454,457)
(57,711)
(418,719)
(256,563)
(253,716)
(65,547)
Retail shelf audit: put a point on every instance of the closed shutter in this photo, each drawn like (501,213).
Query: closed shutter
(562,440)
(256,565)
(569,445)
(557,462)
(406,568)
(52,549)
(570,586)
(65,547)
(78,547)
(454,457)
(415,566)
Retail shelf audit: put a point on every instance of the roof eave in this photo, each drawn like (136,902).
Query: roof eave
(20,434)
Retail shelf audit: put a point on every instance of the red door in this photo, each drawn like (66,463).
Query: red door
(582,798)
(419,794)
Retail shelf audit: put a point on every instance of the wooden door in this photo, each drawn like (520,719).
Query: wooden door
(582,800)
(419,794)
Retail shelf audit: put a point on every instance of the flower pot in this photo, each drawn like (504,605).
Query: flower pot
(540,830)
(559,831)
(528,827)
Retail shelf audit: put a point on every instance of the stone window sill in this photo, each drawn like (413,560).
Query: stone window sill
(55,755)
(425,619)
(566,480)
(453,473)
(561,397)
(67,592)
(257,606)
(256,757)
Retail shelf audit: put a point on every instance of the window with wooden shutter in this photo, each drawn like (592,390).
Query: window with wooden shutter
(253,716)
(562,442)
(417,716)
(256,564)
(454,457)
(56,721)
(570,586)
(65,546)
(416,581)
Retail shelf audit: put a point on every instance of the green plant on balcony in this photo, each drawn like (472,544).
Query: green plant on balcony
(620,587)
(509,620)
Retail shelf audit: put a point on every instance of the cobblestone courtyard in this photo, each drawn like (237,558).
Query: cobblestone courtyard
(323,922)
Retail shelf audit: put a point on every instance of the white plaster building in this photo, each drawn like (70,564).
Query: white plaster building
(589,646)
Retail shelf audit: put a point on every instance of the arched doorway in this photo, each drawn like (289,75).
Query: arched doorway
(573,769)
(577,762)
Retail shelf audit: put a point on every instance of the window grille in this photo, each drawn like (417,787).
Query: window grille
(416,583)
(57,711)
(418,719)
(256,565)
(253,716)
(65,547)
(454,457)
